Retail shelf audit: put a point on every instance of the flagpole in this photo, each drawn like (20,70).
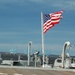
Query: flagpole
(42,37)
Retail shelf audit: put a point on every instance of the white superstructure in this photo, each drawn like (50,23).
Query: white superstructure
(65,61)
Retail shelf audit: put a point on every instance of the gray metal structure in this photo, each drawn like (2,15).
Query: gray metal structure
(29,48)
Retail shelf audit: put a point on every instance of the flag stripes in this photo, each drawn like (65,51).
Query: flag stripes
(51,19)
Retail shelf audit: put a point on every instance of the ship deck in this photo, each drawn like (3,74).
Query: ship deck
(7,70)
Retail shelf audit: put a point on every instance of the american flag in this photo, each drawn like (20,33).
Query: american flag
(51,19)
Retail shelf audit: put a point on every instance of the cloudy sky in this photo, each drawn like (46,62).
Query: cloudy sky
(20,22)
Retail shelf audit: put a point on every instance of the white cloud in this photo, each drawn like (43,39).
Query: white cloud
(19,1)
(8,47)
(39,1)
(7,1)
(48,46)
(53,48)
(5,46)
(68,5)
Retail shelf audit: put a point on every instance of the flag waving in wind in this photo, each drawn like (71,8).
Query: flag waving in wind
(51,19)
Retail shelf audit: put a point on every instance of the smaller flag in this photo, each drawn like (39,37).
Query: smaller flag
(51,19)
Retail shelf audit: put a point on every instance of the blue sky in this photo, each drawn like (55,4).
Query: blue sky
(20,22)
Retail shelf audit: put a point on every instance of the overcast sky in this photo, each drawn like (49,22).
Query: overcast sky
(20,22)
